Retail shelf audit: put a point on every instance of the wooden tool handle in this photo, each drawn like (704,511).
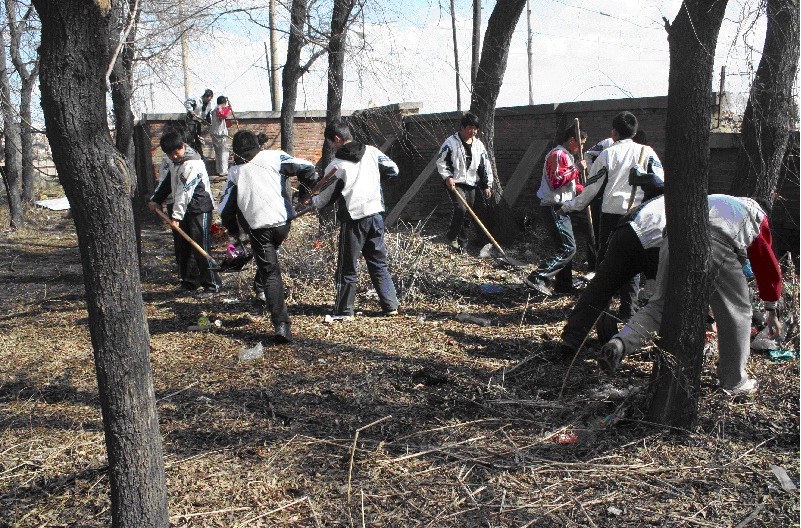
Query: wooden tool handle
(183,234)
(478,222)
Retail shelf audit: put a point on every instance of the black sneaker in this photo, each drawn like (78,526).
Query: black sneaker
(611,355)
(283,333)
(187,286)
(538,285)
(208,293)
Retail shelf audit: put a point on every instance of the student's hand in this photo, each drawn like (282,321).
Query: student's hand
(449,183)
(488,193)
(175,223)
(773,324)
(153,206)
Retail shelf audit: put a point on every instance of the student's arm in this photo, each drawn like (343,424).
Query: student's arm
(560,169)
(445,163)
(766,267)
(485,175)
(386,167)
(164,186)
(229,208)
(594,184)
(330,191)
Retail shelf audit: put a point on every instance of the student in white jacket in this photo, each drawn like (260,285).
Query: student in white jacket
(259,194)
(610,171)
(355,174)
(464,165)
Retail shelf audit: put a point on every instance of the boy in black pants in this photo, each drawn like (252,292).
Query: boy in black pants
(187,180)
(355,174)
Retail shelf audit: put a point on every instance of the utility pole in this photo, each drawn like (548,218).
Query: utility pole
(184,47)
(456,58)
(476,41)
(530,55)
(275,86)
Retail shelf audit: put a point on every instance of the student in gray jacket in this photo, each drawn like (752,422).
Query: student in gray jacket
(355,174)
(464,165)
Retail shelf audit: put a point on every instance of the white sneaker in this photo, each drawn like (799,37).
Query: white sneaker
(744,389)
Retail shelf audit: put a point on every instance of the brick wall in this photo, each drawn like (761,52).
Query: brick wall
(420,136)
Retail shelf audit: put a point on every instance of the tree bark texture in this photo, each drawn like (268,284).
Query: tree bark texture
(292,73)
(769,116)
(28,78)
(74,59)
(340,18)
(12,172)
(487,86)
(677,373)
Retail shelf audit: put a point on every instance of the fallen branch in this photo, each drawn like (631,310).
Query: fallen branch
(353,447)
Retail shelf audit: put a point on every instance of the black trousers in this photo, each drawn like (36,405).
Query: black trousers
(265,243)
(630,289)
(624,260)
(363,237)
(193,268)
(460,219)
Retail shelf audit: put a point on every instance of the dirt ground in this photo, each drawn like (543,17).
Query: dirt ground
(404,421)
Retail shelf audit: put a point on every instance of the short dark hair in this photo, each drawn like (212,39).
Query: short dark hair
(208,93)
(245,145)
(171,141)
(640,137)
(625,124)
(338,127)
(222,99)
(470,119)
(262,137)
(570,132)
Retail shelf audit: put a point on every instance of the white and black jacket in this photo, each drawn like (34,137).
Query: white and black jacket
(260,190)
(452,163)
(355,173)
(612,166)
(188,183)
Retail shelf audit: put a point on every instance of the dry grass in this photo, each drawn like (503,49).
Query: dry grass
(407,421)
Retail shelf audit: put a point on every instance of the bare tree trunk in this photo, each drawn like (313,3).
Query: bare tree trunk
(456,59)
(274,85)
(336,61)
(487,86)
(28,78)
(476,41)
(12,172)
(121,80)
(292,73)
(769,116)
(677,373)
(96,180)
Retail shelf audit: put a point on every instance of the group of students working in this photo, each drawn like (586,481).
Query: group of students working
(627,174)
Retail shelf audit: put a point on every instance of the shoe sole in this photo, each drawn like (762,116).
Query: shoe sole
(541,288)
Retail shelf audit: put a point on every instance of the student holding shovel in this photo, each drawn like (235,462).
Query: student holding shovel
(464,165)
(187,180)
(559,175)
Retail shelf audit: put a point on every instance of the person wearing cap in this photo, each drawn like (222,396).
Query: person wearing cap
(259,196)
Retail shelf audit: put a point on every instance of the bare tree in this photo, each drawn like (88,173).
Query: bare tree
(692,40)
(293,70)
(12,173)
(28,70)
(74,61)
(340,20)
(770,114)
(487,86)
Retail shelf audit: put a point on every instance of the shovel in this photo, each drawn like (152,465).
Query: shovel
(212,263)
(480,224)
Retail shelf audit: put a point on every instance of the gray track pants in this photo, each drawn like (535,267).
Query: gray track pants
(730,306)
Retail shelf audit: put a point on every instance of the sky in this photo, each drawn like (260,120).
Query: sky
(403,52)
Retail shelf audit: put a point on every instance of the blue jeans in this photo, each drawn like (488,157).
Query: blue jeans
(558,268)
(363,237)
